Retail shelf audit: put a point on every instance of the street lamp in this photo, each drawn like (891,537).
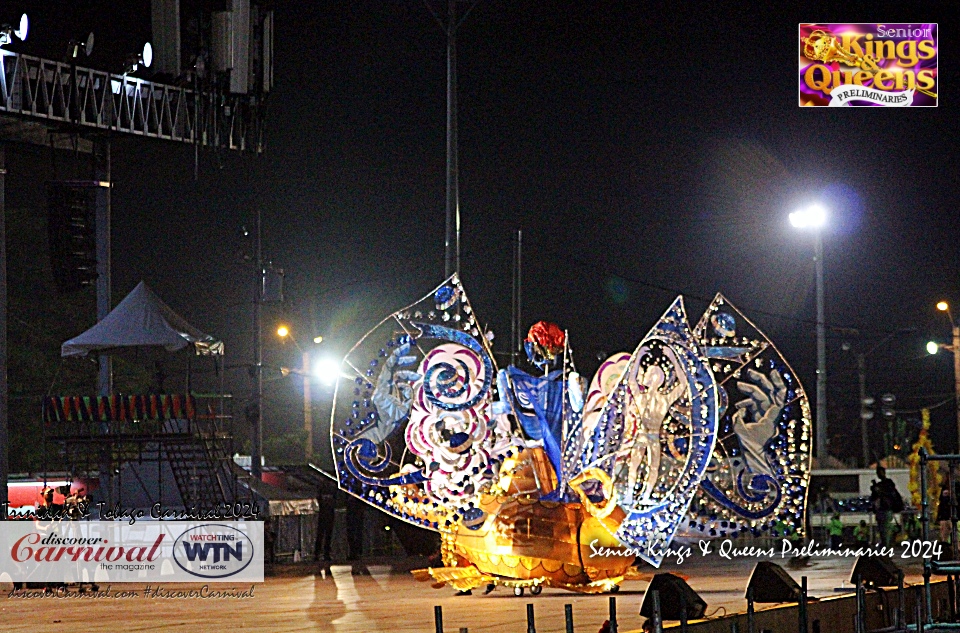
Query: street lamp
(305,372)
(815,217)
(933,348)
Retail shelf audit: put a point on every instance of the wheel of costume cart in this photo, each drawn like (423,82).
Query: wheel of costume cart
(615,589)
(518,591)
(536,590)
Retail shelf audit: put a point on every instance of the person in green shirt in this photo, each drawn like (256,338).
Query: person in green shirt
(835,530)
(861,534)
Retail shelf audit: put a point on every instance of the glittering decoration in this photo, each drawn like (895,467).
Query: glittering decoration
(415,435)
(723,324)
(665,387)
(760,468)
(701,431)
(445,297)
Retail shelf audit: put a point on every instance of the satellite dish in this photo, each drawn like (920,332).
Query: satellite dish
(88,47)
(147,56)
(24,27)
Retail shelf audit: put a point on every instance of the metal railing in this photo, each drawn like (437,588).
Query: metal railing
(951,567)
(83,98)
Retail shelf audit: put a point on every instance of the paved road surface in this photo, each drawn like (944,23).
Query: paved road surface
(340,600)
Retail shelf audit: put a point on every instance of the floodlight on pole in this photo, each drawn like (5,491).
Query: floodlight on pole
(7,32)
(814,217)
(811,217)
(134,60)
(283,331)
(327,370)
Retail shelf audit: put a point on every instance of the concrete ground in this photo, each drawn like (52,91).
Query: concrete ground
(378,596)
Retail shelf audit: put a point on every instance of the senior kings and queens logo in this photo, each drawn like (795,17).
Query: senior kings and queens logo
(868,65)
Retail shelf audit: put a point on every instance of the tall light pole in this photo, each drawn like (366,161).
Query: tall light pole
(814,217)
(933,348)
(452,238)
(306,372)
(453,169)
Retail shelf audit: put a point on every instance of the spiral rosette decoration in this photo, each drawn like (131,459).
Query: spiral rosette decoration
(412,432)
(756,483)
(450,428)
(666,397)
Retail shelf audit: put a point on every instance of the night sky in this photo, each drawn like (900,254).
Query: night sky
(646,150)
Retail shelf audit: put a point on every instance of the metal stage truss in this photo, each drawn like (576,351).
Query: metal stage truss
(90,100)
(90,434)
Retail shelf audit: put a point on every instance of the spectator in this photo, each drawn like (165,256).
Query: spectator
(355,527)
(835,529)
(944,512)
(912,525)
(861,534)
(326,497)
(886,501)
(269,540)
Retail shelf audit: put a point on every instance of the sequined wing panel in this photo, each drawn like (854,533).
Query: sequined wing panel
(655,435)
(412,431)
(756,483)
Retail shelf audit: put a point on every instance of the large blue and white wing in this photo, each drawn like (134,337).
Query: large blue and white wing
(757,480)
(412,430)
(655,435)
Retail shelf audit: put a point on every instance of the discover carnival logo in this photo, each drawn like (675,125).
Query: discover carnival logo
(213,551)
(118,551)
(868,65)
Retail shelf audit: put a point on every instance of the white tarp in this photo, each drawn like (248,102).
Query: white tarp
(141,320)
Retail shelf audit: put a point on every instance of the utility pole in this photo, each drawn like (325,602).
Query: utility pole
(956,373)
(307,408)
(452,251)
(864,431)
(256,451)
(954,347)
(822,437)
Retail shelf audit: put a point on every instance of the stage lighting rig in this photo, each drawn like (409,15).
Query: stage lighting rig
(75,46)
(135,60)
(7,31)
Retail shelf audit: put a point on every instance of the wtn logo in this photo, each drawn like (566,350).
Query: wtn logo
(214,551)
(202,551)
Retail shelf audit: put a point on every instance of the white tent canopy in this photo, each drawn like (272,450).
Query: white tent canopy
(141,320)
